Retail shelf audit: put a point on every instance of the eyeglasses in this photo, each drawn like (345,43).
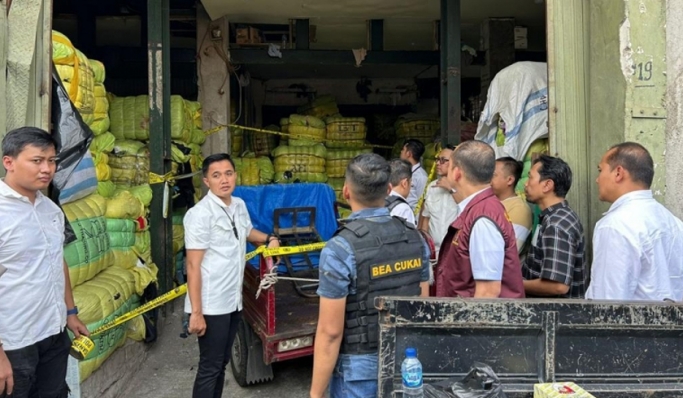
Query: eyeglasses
(442,160)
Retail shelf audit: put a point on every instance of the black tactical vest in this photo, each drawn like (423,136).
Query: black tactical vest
(391,201)
(388,263)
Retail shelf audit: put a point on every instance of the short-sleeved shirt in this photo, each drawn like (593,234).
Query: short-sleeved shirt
(417,185)
(520,216)
(338,263)
(441,209)
(403,210)
(557,251)
(32,306)
(209,227)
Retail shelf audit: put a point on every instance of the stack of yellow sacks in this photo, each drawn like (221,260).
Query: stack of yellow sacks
(253,170)
(321,107)
(104,286)
(424,128)
(300,163)
(76,74)
(100,124)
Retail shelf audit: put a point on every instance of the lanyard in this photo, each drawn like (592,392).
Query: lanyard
(232,221)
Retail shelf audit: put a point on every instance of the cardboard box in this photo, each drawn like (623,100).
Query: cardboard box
(247,35)
(560,390)
(521,41)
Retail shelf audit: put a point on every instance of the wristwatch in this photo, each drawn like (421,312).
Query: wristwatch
(73,311)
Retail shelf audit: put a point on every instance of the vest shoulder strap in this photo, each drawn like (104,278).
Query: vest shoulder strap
(391,201)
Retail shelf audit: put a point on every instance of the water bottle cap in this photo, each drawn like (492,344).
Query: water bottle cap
(411,353)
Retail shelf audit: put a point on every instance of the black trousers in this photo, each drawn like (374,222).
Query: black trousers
(40,369)
(214,354)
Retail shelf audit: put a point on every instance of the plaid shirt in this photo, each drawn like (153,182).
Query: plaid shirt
(558,251)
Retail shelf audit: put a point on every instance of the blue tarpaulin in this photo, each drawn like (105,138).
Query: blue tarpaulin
(262,200)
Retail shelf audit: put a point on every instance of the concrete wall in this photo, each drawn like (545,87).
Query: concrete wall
(607,92)
(674,105)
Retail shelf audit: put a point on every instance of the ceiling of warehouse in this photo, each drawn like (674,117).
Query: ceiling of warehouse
(408,24)
(278,11)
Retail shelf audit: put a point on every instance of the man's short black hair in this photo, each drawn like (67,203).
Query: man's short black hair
(18,139)
(476,159)
(513,167)
(367,175)
(415,147)
(634,158)
(216,157)
(556,170)
(400,169)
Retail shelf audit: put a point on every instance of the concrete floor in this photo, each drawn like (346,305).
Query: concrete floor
(171,366)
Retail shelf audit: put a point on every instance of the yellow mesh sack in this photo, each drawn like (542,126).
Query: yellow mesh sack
(342,128)
(103,143)
(124,205)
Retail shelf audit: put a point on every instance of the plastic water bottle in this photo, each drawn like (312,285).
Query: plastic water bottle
(411,370)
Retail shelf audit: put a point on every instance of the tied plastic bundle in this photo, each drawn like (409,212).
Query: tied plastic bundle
(122,239)
(76,75)
(345,132)
(538,147)
(236,135)
(321,107)
(300,163)
(309,130)
(337,160)
(284,128)
(421,127)
(194,110)
(337,184)
(178,231)
(196,160)
(129,163)
(129,118)
(109,295)
(100,147)
(254,170)
(100,124)
(90,253)
(263,143)
(237,141)
(429,157)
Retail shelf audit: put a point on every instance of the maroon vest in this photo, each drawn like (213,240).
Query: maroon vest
(453,275)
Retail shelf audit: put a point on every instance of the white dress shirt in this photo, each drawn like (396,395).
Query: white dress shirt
(442,210)
(209,228)
(403,210)
(32,306)
(637,251)
(417,185)
(487,246)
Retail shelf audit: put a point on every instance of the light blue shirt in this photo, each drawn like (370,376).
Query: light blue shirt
(417,185)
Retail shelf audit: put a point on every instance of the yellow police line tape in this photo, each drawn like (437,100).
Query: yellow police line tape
(83,345)
(169,177)
(424,192)
(295,136)
(285,250)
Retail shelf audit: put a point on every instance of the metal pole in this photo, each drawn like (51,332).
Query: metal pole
(450,71)
(158,61)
